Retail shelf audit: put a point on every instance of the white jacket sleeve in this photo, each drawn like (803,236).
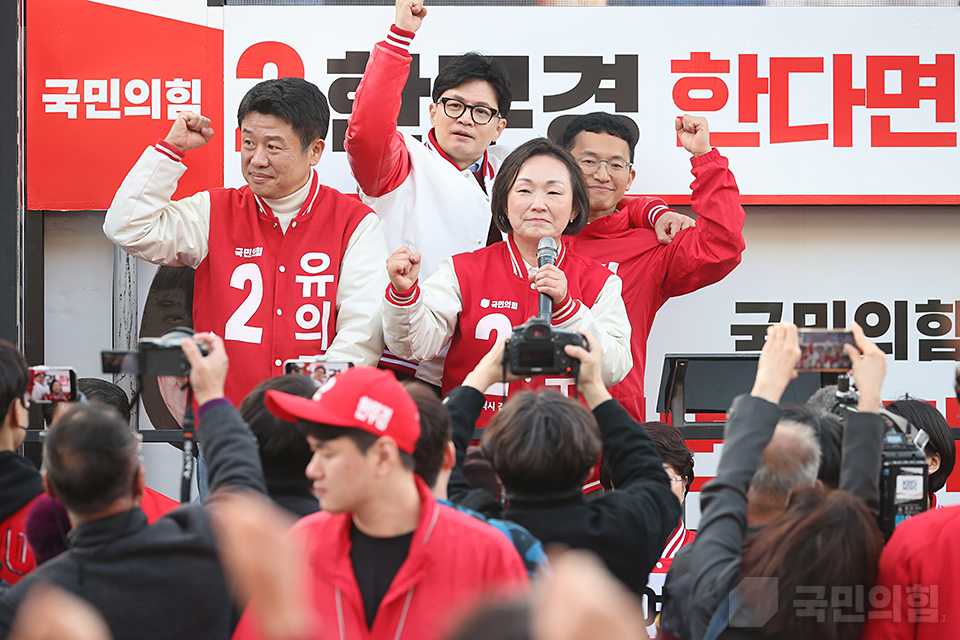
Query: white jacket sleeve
(420,329)
(607,322)
(144,222)
(363,277)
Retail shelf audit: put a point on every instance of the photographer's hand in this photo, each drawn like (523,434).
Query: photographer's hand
(590,379)
(489,370)
(207,374)
(869,369)
(778,362)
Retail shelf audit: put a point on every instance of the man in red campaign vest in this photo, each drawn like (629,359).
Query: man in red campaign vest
(285,266)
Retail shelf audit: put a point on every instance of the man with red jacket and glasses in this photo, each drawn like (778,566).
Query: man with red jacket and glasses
(385,560)
(620,234)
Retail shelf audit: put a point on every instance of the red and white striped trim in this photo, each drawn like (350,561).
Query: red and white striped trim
(678,538)
(565,310)
(169,150)
(656,212)
(518,263)
(400,38)
(403,298)
(307,205)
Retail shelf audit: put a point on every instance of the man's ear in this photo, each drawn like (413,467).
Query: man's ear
(386,454)
(449,457)
(139,483)
(47,485)
(316,150)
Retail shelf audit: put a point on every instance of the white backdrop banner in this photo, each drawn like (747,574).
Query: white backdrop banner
(815,105)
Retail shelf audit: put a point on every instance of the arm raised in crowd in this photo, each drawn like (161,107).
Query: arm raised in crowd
(863,431)
(718,550)
(229,446)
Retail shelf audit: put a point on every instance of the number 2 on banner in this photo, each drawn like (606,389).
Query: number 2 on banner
(501,325)
(237,328)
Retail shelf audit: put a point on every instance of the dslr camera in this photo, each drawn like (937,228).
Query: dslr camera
(535,348)
(161,356)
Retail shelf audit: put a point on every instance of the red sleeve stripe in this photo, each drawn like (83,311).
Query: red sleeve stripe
(565,310)
(403,298)
(171,151)
(399,37)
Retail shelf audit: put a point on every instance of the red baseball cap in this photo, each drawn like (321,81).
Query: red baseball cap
(359,398)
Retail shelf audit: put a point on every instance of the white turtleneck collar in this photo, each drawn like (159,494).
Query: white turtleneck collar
(286,208)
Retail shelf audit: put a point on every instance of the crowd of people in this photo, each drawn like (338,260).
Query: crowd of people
(348,503)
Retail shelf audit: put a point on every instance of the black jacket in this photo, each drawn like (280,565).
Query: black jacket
(627,527)
(163,580)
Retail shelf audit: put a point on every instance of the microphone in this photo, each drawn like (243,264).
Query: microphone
(546,254)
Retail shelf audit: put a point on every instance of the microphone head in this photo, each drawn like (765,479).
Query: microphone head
(547,246)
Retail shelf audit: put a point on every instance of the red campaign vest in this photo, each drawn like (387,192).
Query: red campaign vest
(16,556)
(272,296)
(497,297)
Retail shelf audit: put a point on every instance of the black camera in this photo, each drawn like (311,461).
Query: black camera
(536,348)
(904,475)
(161,356)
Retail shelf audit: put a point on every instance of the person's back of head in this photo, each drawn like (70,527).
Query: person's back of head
(435,432)
(542,445)
(941,450)
(14,378)
(476,66)
(283,449)
(829,432)
(600,122)
(827,543)
(296,101)
(673,450)
(790,462)
(94,390)
(91,458)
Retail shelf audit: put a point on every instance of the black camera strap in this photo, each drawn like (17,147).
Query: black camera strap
(189,442)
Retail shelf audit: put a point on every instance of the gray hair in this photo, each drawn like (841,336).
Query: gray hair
(790,460)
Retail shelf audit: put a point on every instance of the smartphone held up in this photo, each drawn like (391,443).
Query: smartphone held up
(822,350)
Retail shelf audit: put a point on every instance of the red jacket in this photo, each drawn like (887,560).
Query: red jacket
(917,595)
(651,272)
(453,559)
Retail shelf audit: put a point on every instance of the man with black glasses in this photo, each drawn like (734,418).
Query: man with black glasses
(627,235)
(431,196)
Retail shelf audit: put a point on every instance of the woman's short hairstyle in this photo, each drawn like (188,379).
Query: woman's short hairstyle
(511,168)
(924,415)
(673,450)
(542,445)
(827,541)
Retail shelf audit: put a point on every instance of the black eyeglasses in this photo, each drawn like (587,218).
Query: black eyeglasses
(615,168)
(454,108)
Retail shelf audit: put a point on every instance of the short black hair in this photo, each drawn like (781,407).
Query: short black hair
(95,390)
(362,439)
(284,451)
(476,66)
(599,122)
(435,431)
(925,416)
(296,101)
(14,376)
(510,169)
(91,456)
(542,445)
(673,450)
